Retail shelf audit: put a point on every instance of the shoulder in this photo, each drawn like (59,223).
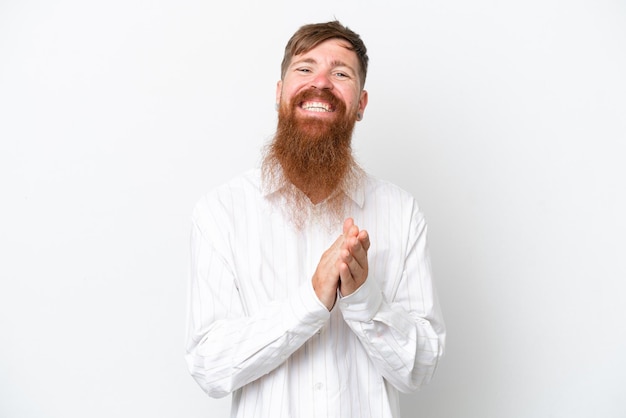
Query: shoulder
(395,209)
(381,189)
(228,198)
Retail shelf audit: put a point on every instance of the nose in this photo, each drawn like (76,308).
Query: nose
(322,81)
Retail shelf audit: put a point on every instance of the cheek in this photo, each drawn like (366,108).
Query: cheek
(288,93)
(353,103)
(351,99)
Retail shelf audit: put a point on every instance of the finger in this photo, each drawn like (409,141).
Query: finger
(355,259)
(364,238)
(355,256)
(347,224)
(346,280)
(350,239)
(356,246)
(345,257)
(351,278)
(344,273)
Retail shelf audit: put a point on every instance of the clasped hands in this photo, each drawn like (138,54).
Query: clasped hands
(343,266)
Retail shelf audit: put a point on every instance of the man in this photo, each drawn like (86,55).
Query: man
(295,308)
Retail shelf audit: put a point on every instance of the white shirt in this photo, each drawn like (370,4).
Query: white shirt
(257,330)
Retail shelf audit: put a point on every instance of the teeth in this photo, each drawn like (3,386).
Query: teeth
(316,107)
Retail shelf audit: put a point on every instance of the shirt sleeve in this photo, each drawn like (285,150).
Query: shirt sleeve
(404,336)
(225,347)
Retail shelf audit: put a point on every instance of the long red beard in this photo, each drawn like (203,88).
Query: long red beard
(314,154)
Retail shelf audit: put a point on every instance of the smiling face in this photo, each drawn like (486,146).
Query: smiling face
(319,96)
(323,84)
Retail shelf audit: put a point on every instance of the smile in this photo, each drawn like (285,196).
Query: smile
(317,107)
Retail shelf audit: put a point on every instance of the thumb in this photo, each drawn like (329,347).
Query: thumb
(347,224)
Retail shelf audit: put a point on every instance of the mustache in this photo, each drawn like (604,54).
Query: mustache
(322,94)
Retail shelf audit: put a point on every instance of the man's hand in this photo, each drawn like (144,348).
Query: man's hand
(343,265)
(353,266)
(326,277)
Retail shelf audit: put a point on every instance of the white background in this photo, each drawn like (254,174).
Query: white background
(505,119)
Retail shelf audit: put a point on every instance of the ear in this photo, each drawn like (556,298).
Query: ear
(279,90)
(363,101)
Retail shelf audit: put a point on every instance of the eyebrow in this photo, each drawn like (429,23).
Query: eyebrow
(334,64)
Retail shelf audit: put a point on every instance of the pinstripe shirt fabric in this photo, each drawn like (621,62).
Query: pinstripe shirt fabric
(256,329)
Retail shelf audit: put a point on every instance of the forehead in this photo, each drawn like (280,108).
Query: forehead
(335,50)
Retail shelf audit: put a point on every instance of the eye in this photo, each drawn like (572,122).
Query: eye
(340,74)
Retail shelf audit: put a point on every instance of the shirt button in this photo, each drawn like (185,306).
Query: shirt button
(319,386)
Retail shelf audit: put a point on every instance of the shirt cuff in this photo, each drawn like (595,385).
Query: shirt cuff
(306,312)
(363,304)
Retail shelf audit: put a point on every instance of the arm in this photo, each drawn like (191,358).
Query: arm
(404,337)
(225,347)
